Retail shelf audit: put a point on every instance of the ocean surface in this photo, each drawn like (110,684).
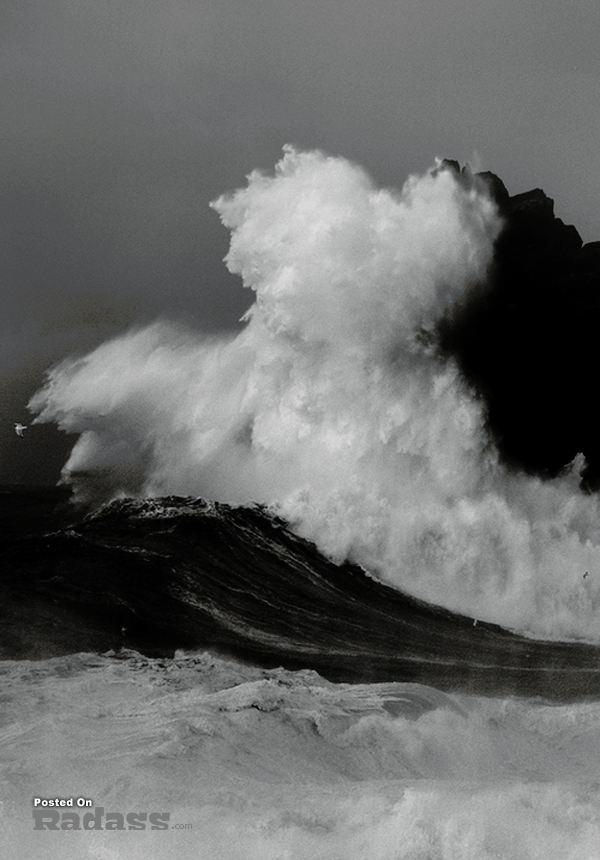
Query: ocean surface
(173,655)
(332,587)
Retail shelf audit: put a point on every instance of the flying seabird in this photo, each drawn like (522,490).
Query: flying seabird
(19,429)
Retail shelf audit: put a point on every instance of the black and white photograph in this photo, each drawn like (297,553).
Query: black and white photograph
(299,433)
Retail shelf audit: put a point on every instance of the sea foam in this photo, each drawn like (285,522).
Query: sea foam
(251,764)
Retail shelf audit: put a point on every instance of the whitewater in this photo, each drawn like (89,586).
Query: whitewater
(336,409)
(275,764)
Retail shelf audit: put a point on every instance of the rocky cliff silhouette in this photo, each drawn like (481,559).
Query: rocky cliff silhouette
(528,341)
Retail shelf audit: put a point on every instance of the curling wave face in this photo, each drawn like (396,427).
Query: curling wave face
(333,406)
(161,574)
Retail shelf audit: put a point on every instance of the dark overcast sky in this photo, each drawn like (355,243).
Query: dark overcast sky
(121,119)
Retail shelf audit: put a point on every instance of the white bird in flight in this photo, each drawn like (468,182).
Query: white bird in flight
(19,429)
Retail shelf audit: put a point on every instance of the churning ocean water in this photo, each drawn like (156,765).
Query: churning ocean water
(300,608)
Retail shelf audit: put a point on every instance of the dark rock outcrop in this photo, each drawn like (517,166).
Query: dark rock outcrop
(528,342)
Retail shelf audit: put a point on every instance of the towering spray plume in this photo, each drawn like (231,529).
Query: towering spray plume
(332,404)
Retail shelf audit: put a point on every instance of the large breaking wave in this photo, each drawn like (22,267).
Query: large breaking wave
(333,404)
